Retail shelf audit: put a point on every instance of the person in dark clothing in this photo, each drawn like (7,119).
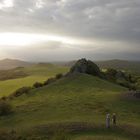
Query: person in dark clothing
(114,119)
(108,120)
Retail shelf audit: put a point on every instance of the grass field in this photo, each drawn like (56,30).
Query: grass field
(36,73)
(75,99)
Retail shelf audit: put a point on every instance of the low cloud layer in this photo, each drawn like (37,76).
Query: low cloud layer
(112,26)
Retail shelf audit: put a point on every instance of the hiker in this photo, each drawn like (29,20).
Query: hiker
(108,120)
(114,119)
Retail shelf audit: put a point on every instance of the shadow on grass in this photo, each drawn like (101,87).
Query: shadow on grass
(63,130)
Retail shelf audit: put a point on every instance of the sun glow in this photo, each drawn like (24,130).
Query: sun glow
(6,4)
(26,39)
(22,39)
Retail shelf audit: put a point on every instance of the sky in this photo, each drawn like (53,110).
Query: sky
(61,30)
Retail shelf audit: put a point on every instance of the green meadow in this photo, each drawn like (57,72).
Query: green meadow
(80,100)
(35,73)
(73,107)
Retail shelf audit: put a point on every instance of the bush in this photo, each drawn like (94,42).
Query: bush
(37,85)
(21,91)
(3,98)
(49,81)
(5,108)
(59,76)
(126,84)
(110,74)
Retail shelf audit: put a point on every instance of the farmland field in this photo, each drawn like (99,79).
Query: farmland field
(36,73)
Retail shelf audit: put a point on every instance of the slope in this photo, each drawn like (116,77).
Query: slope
(76,98)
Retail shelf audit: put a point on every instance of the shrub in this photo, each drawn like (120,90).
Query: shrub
(49,81)
(5,108)
(126,84)
(59,76)
(37,85)
(21,91)
(110,74)
(3,98)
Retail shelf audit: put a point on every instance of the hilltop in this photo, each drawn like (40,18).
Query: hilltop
(85,66)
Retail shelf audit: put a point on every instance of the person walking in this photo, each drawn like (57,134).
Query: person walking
(114,119)
(108,120)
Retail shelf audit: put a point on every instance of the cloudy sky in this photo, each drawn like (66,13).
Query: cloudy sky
(53,30)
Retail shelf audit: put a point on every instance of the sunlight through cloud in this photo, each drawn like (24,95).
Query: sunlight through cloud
(27,39)
(6,4)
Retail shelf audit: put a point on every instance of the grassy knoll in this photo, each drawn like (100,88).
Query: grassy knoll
(80,98)
(76,103)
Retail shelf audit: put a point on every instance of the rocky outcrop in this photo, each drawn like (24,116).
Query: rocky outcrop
(85,66)
(133,95)
(137,94)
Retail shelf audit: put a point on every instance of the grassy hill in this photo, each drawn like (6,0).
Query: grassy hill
(13,63)
(133,66)
(12,74)
(32,74)
(75,105)
(79,101)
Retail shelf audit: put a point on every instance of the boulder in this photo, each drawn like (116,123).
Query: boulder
(85,66)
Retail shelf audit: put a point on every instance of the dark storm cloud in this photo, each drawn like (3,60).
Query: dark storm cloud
(104,20)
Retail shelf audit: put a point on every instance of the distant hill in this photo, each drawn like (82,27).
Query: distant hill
(12,74)
(120,64)
(116,64)
(12,63)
